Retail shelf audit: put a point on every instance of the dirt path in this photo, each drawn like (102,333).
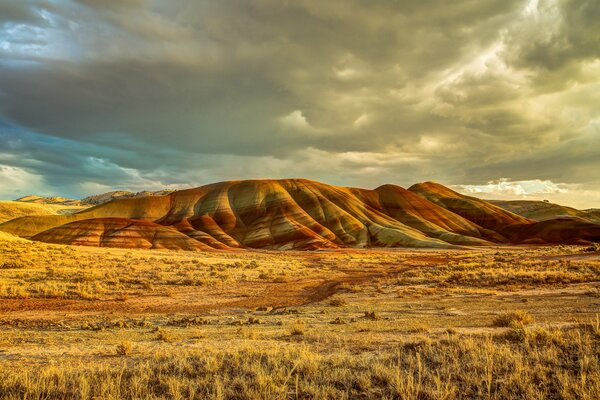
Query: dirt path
(300,292)
(248,295)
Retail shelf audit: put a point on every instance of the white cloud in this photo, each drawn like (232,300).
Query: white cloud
(504,187)
(361,121)
(574,195)
(295,120)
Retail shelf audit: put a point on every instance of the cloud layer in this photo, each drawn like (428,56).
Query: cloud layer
(145,94)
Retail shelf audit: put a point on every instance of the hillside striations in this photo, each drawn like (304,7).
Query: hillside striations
(480,212)
(298,214)
(119,232)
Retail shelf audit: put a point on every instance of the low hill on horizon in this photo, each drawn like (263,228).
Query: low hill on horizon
(13,209)
(91,200)
(542,210)
(299,214)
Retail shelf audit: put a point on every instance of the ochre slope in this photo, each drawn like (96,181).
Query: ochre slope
(560,230)
(284,214)
(119,232)
(7,237)
(15,209)
(144,208)
(420,214)
(296,214)
(480,212)
(542,211)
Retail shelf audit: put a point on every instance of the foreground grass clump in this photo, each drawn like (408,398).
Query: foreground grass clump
(513,319)
(594,247)
(124,348)
(450,367)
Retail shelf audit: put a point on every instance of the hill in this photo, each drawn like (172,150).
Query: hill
(90,200)
(7,237)
(542,211)
(299,214)
(120,194)
(15,209)
(47,200)
(120,232)
(480,212)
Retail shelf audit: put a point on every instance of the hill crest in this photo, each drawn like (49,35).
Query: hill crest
(302,214)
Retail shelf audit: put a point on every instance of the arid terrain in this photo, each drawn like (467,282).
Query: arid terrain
(299,200)
(502,322)
(294,289)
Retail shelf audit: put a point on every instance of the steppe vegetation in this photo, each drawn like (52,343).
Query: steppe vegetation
(497,323)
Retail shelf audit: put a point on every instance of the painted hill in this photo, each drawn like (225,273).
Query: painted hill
(298,214)
(480,212)
(120,232)
(542,211)
(560,230)
(14,209)
(425,216)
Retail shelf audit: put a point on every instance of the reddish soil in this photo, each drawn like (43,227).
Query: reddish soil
(248,295)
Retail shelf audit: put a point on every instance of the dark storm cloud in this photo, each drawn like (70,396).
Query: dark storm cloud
(18,11)
(241,67)
(353,92)
(565,31)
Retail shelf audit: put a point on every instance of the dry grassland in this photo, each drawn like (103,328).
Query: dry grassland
(495,323)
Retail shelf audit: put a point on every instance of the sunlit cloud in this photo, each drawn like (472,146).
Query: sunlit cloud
(517,189)
(538,190)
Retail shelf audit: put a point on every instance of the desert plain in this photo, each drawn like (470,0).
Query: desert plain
(494,322)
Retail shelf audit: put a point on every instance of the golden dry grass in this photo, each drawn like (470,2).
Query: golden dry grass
(552,364)
(505,323)
(14,209)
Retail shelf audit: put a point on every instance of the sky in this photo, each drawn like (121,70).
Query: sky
(495,98)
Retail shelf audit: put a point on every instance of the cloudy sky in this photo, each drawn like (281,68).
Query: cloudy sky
(496,98)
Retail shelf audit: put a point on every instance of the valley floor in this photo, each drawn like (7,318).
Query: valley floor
(499,323)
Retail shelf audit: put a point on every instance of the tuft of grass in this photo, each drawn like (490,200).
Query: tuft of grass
(513,319)
(297,330)
(124,348)
(593,248)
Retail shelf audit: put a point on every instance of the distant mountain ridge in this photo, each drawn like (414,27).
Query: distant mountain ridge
(298,214)
(121,194)
(92,200)
(33,199)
